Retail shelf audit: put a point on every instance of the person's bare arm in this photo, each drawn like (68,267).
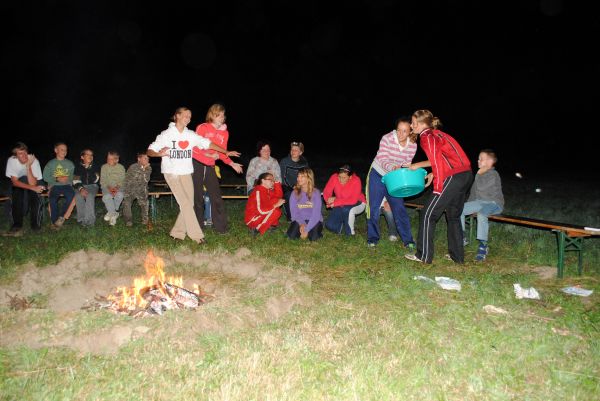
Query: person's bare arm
(220,149)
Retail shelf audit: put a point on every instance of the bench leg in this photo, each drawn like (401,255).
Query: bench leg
(470,221)
(567,244)
(152,207)
(561,253)
(580,261)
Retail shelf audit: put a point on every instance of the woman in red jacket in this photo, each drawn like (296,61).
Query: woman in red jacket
(343,195)
(452,177)
(263,207)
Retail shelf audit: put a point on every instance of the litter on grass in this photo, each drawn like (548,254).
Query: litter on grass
(521,293)
(494,310)
(448,283)
(445,282)
(423,278)
(582,292)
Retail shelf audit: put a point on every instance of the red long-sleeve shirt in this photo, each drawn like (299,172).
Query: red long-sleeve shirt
(345,195)
(218,137)
(445,154)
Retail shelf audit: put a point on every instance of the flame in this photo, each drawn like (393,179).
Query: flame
(131,298)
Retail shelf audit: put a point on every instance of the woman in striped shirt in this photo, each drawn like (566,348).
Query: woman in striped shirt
(396,149)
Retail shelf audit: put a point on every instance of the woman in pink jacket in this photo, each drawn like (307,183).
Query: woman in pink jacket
(343,195)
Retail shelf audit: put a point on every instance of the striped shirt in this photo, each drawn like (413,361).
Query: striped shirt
(391,155)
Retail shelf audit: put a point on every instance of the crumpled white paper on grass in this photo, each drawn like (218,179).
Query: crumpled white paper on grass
(446,283)
(521,293)
(582,292)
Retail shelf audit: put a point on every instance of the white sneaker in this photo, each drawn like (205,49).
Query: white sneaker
(113,219)
(107,216)
(393,238)
(412,257)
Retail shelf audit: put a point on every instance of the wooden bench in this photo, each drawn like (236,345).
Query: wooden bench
(569,236)
(154,195)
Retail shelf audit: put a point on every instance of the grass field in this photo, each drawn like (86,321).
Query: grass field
(359,328)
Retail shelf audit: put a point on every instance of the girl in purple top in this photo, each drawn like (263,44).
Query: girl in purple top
(305,208)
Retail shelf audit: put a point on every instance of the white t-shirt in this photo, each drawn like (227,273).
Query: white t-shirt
(180,144)
(14,168)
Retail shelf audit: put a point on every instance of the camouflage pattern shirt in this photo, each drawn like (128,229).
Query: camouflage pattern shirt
(136,179)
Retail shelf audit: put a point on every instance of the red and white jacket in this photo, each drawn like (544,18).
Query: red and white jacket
(345,195)
(446,156)
(218,137)
(260,207)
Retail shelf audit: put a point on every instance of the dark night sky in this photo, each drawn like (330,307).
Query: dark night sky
(514,76)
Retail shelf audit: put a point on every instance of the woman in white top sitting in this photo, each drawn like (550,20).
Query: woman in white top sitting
(263,163)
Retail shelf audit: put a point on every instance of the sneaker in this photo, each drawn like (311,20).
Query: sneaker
(371,244)
(59,222)
(482,252)
(465,241)
(129,224)
(113,219)
(107,216)
(448,257)
(208,222)
(393,238)
(254,232)
(412,257)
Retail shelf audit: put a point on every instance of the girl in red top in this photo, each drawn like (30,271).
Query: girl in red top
(452,177)
(343,195)
(263,209)
(204,175)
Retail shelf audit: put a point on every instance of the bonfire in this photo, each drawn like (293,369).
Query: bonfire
(152,294)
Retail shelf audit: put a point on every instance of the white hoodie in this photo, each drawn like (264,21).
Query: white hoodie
(180,144)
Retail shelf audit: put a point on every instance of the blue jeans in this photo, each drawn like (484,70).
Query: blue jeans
(207,214)
(86,207)
(111,202)
(54,194)
(483,210)
(389,219)
(375,194)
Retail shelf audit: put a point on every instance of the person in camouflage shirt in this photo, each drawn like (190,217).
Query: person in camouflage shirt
(136,187)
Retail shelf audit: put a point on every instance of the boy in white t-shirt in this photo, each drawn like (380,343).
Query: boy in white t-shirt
(25,175)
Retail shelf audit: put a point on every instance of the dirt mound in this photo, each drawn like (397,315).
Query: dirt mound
(243,292)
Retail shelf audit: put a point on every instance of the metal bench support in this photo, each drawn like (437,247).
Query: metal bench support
(567,244)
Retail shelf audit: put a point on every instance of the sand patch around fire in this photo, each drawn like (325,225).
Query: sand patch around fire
(243,292)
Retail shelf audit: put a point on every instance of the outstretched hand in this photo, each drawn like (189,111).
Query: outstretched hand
(237,167)
(233,153)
